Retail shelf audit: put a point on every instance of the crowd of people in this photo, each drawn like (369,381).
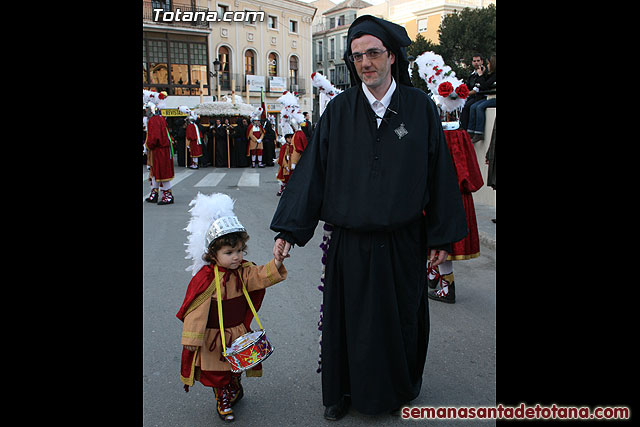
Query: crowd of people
(481,84)
(227,145)
(249,142)
(228,142)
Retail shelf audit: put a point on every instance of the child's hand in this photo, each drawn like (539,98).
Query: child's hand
(191,347)
(281,250)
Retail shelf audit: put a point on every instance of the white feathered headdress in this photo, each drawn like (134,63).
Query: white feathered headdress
(211,217)
(257,114)
(158,99)
(291,114)
(324,85)
(191,115)
(449,92)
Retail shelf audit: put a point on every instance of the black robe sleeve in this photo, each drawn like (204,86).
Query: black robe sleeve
(298,211)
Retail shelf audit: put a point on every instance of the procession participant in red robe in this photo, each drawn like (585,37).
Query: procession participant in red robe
(292,118)
(299,144)
(159,157)
(284,160)
(441,280)
(451,94)
(194,140)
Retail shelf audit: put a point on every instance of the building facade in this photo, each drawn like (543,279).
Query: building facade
(421,16)
(271,52)
(330,42)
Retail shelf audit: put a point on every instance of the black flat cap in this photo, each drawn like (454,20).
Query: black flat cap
(393,36)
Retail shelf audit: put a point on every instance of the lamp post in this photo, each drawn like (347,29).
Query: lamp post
(216,67)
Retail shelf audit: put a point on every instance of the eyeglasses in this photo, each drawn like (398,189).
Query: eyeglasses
(371,54)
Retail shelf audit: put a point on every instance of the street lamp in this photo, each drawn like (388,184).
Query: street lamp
(216,67)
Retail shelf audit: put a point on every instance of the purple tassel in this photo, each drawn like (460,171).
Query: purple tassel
(326,239)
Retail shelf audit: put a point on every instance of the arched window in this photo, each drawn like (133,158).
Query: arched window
(250,62)
(293,72)
(224,57)
(273,64)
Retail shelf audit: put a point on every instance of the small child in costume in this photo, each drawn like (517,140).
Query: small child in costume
(217,241)
(284,160)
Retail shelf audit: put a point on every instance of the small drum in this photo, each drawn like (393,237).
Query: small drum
(248,350)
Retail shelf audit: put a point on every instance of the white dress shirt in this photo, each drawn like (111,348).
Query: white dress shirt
(379,107)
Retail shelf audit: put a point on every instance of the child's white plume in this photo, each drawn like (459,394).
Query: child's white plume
(205,209)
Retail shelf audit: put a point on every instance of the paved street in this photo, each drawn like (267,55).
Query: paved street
(461,362)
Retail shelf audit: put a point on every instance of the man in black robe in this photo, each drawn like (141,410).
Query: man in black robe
(306,128)
(221,144)
(239,157)
(181,138)
(268,143)
(378,169)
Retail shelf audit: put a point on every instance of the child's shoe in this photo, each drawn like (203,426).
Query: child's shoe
(153,196)
(223,404)
(236,392)
(167,198)
(433,277)
(447,291)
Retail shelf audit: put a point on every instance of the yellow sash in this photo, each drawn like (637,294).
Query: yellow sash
(219,298)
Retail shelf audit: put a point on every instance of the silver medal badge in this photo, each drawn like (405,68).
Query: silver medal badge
(401,131)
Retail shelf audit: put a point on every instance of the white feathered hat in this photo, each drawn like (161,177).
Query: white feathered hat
(159,99)
(211,217)
(257,114)
(324,85)
(191,115)
(441,79)
(291,113)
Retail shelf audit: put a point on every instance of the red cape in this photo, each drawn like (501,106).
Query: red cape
(464,159)
(469,180)
(201,281)
(299,141)
(192,138)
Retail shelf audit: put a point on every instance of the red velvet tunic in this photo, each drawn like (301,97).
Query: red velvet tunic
(469,180)
(192,137)
(159,156)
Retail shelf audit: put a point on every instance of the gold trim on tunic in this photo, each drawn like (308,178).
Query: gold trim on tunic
(462,257)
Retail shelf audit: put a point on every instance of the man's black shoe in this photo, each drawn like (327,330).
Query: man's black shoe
(337,411)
